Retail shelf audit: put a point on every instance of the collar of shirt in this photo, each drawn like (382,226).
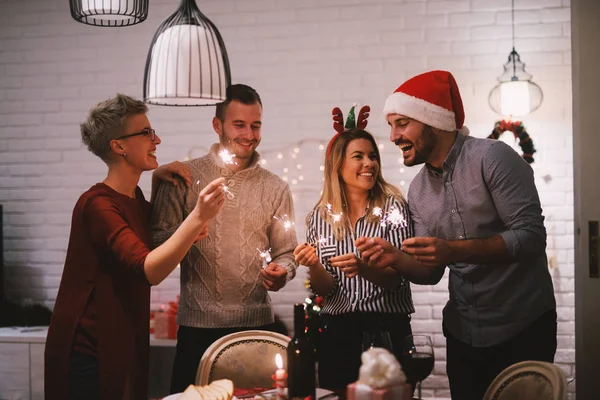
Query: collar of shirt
(450,161)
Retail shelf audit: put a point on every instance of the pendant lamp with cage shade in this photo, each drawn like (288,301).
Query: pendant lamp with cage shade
(187,64)
(515,94)
(109,13)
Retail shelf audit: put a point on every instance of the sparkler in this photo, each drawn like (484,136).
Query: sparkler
(228,193)
(393,217)
(321,241)
(226,190)
(266,256)
(227,157)
(285,220)
(334,217)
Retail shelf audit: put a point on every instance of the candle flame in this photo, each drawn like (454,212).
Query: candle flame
(278,361)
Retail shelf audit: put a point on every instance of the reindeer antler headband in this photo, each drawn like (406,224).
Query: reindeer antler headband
(351,122)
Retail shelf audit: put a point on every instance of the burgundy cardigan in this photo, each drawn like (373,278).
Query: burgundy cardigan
(110,239)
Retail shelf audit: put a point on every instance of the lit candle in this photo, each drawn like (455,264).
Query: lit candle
(280,373)
(279,377)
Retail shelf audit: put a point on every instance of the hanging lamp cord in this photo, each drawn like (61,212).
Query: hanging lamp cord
(513,38)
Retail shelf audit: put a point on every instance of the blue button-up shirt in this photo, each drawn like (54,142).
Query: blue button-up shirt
(484,189)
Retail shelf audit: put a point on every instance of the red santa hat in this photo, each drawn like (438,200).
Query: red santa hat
(432,98)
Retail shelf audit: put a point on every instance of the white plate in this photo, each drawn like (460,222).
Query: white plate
(320,393)
(175,396)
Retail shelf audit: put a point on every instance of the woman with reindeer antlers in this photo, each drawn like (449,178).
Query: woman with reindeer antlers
(356,202)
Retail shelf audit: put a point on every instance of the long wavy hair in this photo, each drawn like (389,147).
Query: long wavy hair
(334,200)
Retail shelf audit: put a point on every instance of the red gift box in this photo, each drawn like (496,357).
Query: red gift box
(359,391)
(165,321)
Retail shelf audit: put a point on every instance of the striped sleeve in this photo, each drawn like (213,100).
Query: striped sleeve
(312,236)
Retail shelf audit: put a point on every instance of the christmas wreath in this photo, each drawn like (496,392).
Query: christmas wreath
(519,131)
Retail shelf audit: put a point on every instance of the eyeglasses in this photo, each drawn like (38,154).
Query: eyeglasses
(151,133)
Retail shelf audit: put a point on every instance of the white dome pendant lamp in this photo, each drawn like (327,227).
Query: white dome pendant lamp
(109,13)
(187,64)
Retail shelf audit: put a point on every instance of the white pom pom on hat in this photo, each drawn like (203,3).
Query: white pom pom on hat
(432,98)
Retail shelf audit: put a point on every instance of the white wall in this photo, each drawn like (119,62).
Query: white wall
(304,57)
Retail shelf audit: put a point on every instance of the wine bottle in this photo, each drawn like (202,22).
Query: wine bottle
(301,360)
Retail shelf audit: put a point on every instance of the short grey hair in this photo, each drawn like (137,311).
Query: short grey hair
(106,122)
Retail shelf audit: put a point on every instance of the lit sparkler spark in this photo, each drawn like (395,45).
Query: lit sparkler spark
(266,256)
(394,217)
(287,224)
(228,192)
(377,211)
(321,241)
(334,217)
(227,157)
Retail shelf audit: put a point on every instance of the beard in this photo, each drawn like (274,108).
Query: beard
(423,147)
(235,147)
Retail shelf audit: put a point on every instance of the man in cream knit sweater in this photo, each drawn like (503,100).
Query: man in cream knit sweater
(223,283)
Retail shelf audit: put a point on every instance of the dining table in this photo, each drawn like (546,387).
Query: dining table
(265,393)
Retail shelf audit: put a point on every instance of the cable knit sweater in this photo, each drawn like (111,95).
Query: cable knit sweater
(221,285)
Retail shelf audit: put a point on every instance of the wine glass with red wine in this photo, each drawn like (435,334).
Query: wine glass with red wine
(417,359)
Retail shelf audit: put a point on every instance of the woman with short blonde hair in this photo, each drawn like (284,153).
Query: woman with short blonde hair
(98,339)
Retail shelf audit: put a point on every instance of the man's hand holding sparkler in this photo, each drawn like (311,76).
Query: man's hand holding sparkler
(377,252)
(348,263)
(274,277)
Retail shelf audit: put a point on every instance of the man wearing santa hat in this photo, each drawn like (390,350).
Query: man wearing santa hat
(476,211)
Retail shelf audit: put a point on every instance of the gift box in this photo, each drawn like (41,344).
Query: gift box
(360,391)
(165,321)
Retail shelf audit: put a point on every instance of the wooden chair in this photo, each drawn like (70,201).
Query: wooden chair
(247,358)
(529,380)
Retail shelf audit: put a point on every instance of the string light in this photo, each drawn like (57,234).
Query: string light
(283,161)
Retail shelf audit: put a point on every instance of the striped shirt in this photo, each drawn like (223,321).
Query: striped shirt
(359,294)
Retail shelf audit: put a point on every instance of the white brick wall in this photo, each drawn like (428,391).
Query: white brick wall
(304,57)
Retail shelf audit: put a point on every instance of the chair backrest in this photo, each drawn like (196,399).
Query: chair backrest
(529,380)
(247,358)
